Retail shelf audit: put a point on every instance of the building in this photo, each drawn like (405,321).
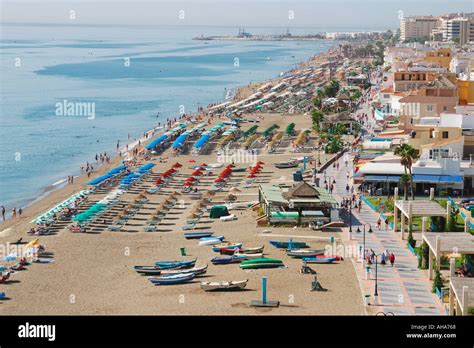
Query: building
(441,56)
(466,91)
(460,29)
(417,27)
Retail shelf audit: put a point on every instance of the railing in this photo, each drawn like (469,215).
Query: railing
(411,249)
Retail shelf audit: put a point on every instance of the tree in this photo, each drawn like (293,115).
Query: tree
(405,180)
(317,117)
(331,89)
(339,129)
(407,156)
(437,281)
(334,145)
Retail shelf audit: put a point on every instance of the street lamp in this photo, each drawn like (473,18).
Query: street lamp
(363,250)
(376,293)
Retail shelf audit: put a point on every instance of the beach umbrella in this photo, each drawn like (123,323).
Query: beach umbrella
(158,181)
(196,173)
(251,176)
(203,165)
(191,179)
(177,165)
(187,183)
(191,160)
(219,180)
(260,162)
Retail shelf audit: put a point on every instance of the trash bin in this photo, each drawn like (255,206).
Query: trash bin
(183,251)
(297,176)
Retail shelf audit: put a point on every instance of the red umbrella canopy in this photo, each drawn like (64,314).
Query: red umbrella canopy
(196,173)
(227,171)
(190,179)
(191,160)
(258,166)
(223,175)
(219,180)
(158,181)
(177,165)
(187,184)
(260,162)
(165,174)
(204,165)
(253,171)
(251,176)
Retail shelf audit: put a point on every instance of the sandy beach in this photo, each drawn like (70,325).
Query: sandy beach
(92,273)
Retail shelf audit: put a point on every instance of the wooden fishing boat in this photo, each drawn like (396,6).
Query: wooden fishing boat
(175,264)
(172,279)
(299,253)
(147,270)
(218,247)
(319,259)
(224,286)
(286,245)
(249,256)
(224,260)
(197,235)
(231,251)
(261,263)
(196,270)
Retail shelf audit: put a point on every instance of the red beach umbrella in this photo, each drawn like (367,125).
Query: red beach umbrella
(251,176)
(196,173)
(191,160)
(219,180)
(260,162)
(191,179)
(204,165)
(177,165)
(158,181)
(187,184)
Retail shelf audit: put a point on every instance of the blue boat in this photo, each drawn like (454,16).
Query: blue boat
(288,245)
(319,259)
(197,235)
(223,260)
(172,279)
(175,264)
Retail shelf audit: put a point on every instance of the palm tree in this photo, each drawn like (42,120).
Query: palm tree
(317,117)
(407,156)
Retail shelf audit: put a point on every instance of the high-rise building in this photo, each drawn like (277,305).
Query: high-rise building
(417,27)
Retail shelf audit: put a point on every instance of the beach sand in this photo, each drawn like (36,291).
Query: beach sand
(92,273)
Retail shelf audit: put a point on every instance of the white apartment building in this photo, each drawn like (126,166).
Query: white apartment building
(417,27)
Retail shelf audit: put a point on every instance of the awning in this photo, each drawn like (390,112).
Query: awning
(418,178)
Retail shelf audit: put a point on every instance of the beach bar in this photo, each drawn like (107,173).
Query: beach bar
(301,203)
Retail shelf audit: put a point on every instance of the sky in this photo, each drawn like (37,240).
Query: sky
(374,14)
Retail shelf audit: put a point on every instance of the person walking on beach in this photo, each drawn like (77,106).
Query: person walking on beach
(382,259)
(14,213)
(20,211)
(392,258)
(3,212)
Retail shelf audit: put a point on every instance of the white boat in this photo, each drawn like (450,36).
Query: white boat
(211,241)
(195,270)
(249,256)
(287,164)
(224,286)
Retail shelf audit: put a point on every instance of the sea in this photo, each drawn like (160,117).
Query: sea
(120,81)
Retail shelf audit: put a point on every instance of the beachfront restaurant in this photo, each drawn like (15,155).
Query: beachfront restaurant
(301,203)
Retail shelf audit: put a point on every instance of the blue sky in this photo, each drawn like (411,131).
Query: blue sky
(277,13)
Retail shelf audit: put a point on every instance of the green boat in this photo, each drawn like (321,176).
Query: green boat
(263,262)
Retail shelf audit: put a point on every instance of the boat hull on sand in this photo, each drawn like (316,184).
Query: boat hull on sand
(231,251)
(196,270)
(286,245)
(218,247)
(304,253)
(224,286)
(147,270)
(175,264)
(319,259)
(197,235)
(261,263)
(172,279)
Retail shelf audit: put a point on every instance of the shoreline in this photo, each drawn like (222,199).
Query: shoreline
(236,93)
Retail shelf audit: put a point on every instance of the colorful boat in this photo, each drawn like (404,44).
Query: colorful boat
(223,260)
(147,270)
(319,259)
(196,270)
(175,264)
(299,253)
(231,251)
(224,286)
(286,245)
(218,247)
(197,235)
(172,279)
(261,263)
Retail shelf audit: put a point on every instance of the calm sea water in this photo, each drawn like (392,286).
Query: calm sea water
(44,65)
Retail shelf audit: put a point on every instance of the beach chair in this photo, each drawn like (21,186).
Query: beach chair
(115,228)
(188,227)
(150,228)
(120,222)
(152,190)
